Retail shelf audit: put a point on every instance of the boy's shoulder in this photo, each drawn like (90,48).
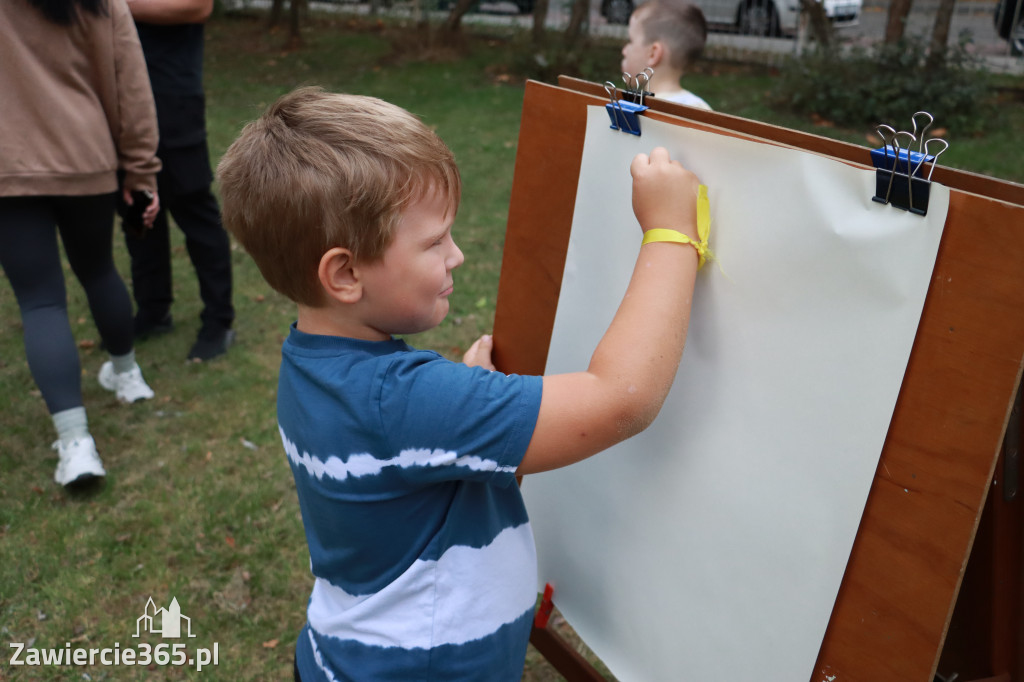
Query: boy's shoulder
(685,97)
(392,359)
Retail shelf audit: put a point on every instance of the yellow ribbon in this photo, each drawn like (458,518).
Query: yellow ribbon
(703,230)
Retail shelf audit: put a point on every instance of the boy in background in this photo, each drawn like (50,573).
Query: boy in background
(667,36)
(405,463)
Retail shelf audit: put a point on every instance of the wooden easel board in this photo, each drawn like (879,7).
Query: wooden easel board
(901,582)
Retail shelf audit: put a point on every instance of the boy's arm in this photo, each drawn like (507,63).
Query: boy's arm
(171,11)
(633,366)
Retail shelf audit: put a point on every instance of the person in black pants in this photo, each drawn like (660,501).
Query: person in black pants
(172,40)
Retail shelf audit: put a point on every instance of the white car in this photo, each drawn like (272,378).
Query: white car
(752,17)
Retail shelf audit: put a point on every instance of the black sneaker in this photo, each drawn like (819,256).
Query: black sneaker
(146,326)
(211,343)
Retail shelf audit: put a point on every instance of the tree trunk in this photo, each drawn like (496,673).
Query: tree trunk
(540,18)
(577,18)
(276,10)
(940,34)
(297,8)
(897,22)
(820,26)
(454,21)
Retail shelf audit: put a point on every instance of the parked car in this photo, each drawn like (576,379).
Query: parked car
(751,17)
(1009,19)
(522,6)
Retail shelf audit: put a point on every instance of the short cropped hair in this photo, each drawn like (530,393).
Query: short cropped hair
(677,24)
(320,170)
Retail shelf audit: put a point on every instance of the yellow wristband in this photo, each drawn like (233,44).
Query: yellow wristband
(679,238)
(703,230)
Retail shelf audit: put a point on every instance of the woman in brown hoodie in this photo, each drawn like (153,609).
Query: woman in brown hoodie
(75,108)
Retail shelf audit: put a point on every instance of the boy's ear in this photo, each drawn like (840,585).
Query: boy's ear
(338,276)
(657,54)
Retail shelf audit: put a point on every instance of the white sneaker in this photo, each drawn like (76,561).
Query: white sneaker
(129,386)
(79,461)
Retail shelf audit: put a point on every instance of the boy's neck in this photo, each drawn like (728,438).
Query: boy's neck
(665,82)
(327,321)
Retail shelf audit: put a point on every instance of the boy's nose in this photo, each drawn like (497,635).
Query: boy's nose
(456,258)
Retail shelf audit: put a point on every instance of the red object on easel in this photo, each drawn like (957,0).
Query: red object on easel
(544,610)
(565,659)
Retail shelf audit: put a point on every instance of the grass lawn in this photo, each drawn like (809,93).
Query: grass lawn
(199,504)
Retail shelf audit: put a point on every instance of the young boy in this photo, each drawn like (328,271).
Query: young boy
(405,463)
(667,36)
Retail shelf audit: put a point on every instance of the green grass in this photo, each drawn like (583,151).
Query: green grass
(199,502)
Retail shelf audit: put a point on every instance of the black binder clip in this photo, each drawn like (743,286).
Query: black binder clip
(625,111)
(899,177)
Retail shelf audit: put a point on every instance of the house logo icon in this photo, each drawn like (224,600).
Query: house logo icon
(164,622)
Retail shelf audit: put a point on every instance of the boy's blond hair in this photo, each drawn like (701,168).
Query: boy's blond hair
(319,170)
(678,25)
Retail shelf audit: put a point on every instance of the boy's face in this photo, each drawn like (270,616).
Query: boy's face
(637,52)
(407,290)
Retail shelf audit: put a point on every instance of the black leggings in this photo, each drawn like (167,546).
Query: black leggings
(31,260)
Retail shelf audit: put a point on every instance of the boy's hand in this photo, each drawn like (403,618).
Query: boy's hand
(479,354)
(664,193)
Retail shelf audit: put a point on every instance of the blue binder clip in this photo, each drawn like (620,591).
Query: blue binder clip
(624,115)
(899,177)
(624,112)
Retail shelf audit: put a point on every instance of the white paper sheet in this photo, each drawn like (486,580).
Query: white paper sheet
(712,546)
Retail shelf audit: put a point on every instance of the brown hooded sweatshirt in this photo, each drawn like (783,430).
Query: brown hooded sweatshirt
(75,104)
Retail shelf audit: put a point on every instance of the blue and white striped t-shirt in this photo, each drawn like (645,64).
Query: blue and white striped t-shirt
(404,464)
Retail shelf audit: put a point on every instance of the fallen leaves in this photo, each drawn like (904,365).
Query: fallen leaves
(821,121)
